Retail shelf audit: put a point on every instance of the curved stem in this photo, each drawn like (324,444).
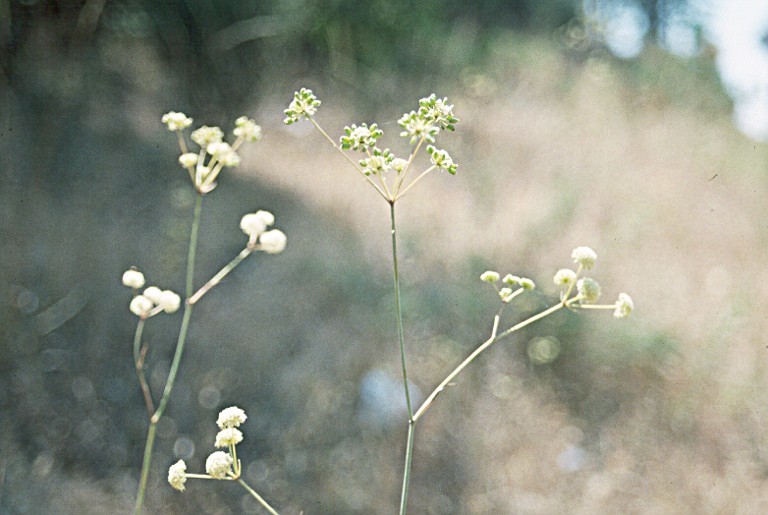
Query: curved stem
(261,500)
(138,360)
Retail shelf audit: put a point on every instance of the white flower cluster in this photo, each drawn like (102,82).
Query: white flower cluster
(360,138)
(442,160)
(176,121)
(513,285)
(303,105)
(211,142)
(255,226)
(220,464)
(153,300)
(587,289)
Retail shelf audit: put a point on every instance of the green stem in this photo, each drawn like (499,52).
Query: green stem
(155,418)
(193,245)
(399,310)
(401,337)
(490,341)
(264,503)
(346,156)
(407,472)
(145,467)
(216,279)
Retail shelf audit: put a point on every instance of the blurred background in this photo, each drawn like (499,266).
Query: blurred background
(636,127)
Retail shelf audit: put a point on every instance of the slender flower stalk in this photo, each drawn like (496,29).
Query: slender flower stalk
(155,417)
(256,496)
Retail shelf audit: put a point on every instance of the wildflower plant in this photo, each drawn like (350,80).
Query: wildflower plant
(220,465)
(204,167)
(392,177)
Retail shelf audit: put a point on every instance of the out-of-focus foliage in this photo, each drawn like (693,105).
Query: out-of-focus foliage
(560,145)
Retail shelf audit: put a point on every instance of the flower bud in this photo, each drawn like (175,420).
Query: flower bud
(584,256)
(490,276)
(589,290)
(564,277)
(177,475)
(141,306)
(133,279)
(231,417)
(188,160)
(624,306)
(218,464)
(273,242)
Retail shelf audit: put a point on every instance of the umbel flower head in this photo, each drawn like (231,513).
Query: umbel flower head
(584,256)
(152,300)
(442,160)
(247,129)
(360,138)
(133,279)
(303,105)
(228,436)
(177,475)
(624,306)
(437,112)
(231,417)
(589,290)
(218,464)
(176,121)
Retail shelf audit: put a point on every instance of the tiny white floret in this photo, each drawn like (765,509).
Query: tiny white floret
(624,306)
(169,301)
(176,121)
(141,306)
(177,475)
(584,256)
(589,290)
(218,464)
(154,294)
(273,242)
(133,279)
(564,277)
(489,276)
(188,160)
(228,436)
(231,417)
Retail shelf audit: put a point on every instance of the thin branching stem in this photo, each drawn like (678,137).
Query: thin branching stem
(221,274)
(259,498)
(346,156)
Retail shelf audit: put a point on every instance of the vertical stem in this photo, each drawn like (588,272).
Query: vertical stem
(155,418)
(145,468)
(407,471)
(399,311)
(193,246)
(401,337)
